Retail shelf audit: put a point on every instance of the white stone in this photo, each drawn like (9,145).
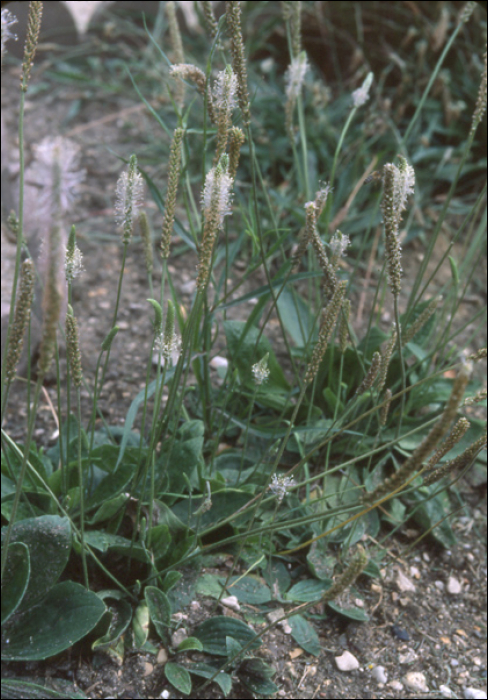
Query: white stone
(347,662)
(219,361)
(396,686)
(403,582)
(445,691)
(474,693)
(379,674)
(231,602)
(416,681)
(453,586)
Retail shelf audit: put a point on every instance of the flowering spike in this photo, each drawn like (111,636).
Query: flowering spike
(280,485)
(129,196)
(361,95)
(168,343)
(260,370)
(398,184)
(295,76)
(8,20)
(224,97)
(73,264)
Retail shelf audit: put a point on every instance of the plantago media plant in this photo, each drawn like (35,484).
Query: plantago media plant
(322,427)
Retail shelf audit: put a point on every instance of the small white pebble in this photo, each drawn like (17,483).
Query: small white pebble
(231,602)
(416,681)
(404,583)
(395,686)
(218,361)
(346,662)
(474,693)
(445,691)
(379,674)
(453,586)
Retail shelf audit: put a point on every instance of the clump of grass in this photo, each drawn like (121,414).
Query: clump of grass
(361,421)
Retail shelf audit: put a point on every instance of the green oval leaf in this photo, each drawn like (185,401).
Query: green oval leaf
(16,578)
(63,617)
(212,634)
(178,677)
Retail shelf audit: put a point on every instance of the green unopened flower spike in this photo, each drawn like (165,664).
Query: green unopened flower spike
(51,301)
(129,199)
(209,18)
(452,439)
(170,203)
(386,408)
(385,359)
(344,325)
(233,17)
(146,242)
(325,332)
(479,396)
(355,568)
(414,463)
(480,108)
(458,463)
(466,11)
(21,318)
(237,138)
(177,46)
(31,41)
(412,331)
(368,380)
(73,348)
(260,370)
(479,355)
(330,280)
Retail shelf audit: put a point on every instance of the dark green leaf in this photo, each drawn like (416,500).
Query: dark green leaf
(212,634)
(179,677)
(16,578)
(304,634)
(63,617)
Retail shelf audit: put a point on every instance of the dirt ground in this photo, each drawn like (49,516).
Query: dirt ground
(426,636)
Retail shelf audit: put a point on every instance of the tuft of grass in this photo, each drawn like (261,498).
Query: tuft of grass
(327,428)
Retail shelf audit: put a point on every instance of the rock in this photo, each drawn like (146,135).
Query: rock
(453,586)
(416,681)
(346,662)
(379,674)
(474,693)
